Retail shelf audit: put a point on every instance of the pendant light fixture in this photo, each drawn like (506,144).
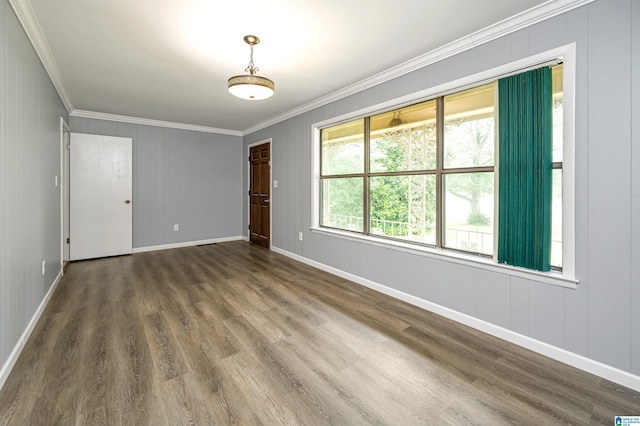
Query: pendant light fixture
(251,86)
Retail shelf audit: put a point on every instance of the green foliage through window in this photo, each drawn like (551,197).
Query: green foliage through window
(425,173)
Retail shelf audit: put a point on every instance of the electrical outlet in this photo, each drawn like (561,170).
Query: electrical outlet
(300,236)
(275,183)
(43,266)
(176,227)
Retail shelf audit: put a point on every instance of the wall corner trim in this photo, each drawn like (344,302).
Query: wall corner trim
(17,349)
(27,18)
(150,122)
(605,371)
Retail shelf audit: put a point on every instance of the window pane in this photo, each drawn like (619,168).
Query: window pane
(558,110)
(343,149)
(342,203)
(468,207)
(469,128)
(404,207)
(556,218)
(404,139)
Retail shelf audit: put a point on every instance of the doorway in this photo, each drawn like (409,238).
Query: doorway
(260,194)
(65,134)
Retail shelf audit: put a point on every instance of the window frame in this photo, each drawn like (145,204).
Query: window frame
(564,278)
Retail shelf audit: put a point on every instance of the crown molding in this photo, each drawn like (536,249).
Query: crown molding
(549,9)
(27,18)
(149,122)
(542,12)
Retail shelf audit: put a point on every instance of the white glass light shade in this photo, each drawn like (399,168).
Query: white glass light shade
(251,87)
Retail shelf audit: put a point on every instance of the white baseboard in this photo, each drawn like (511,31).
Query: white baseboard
(186,244)
(17,349)
(605,371)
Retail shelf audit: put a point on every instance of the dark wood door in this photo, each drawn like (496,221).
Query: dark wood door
(260,194)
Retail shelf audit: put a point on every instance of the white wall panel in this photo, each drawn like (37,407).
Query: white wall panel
(635,187)
(30,111)
(577,303)
(576,319)
(609,145)
(484,298)
(466,291)
(552,30)
(500,292)
(500,51)
(519,44)
(546,322)
(520,305)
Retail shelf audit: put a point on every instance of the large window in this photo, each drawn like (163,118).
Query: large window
(428,173)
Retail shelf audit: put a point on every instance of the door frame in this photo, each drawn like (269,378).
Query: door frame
(64,191)
(248,157)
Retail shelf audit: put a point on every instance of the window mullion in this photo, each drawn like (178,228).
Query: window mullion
(439,165)
(403,173)
(461,170)
(346,175)
(367,198)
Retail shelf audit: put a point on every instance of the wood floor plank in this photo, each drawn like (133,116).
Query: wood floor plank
(267,399)
(322,390)
(165,354)
(136,384)
(234,334)
(220,341)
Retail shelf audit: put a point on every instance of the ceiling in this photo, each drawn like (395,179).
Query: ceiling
(169,60)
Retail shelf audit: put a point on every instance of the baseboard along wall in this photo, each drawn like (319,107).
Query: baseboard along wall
(187,244)
(17,349)
(599,369)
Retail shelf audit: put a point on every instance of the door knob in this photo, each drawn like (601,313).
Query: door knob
(267,201)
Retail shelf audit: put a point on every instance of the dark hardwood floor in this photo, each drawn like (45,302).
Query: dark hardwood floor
(235,334)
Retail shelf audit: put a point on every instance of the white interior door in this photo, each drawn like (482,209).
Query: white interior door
(66,141)
(100,196)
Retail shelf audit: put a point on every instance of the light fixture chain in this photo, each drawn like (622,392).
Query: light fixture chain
(251,69)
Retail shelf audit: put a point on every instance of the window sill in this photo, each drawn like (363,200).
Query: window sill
(551,278)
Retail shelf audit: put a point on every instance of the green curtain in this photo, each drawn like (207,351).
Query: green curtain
(524,169)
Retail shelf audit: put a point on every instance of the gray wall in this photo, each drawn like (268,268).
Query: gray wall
(179,176)
(598,319)
(30,111)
